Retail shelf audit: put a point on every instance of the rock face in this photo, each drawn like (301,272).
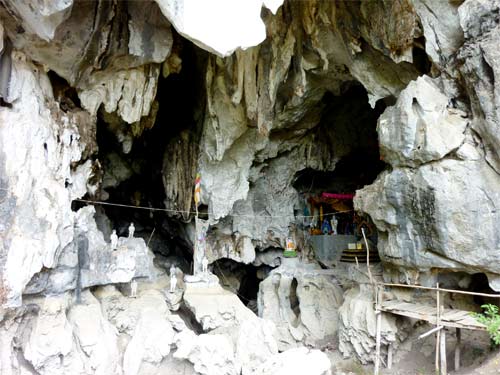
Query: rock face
(40,146)
(303,304)
(440,185)
(242,339)
(357,325)
(90,99)
(421,127)
(92,262)
(215,307)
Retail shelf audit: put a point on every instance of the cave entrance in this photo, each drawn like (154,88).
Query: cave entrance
(241,279)
(132,159)
(348,130)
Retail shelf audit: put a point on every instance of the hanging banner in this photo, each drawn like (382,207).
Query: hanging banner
(338,196)
(200,244)
(197,190)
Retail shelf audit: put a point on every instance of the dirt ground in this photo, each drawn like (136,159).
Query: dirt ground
(417,357)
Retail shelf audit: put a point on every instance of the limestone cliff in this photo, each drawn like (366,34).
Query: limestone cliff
(124,102)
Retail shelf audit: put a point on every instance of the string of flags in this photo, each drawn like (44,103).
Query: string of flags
(197,192)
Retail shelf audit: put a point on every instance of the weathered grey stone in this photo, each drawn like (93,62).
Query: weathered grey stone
(301,302)
(357,324)
(480,68)
(266,114)
(111,65)
(441,29)
(94,262)
(421,127)
(150,341)
(255,343)
(40,144)
(215,307)
(41,21)
(210,354)
(427,217)
(72,339)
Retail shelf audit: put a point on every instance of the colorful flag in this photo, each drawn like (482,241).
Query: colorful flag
(197,189)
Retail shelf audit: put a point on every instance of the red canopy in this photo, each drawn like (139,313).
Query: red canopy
(337,196)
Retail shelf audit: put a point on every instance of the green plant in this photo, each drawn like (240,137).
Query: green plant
(491,319)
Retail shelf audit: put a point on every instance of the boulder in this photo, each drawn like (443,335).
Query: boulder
(151,340)
(255,342)
(302,302)
(210,354)
(421,127)
(357,325)
(214,306)
(90,261)
(428,217)
(72,339)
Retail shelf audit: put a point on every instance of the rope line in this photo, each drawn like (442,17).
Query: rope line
(194,212)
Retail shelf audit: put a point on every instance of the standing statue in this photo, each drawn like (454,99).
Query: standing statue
(133,289)
(173,270)
(131,230)
(114,240)
(204,263)
(173,282)
(334,223)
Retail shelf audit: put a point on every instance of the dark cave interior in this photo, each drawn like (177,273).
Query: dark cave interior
(348,126)
(346,133)
(242,279)
(178,96)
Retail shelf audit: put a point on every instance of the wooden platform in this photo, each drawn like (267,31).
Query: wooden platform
(449,317)
(350,256)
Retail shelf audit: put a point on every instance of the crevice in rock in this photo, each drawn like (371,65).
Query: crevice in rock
(190,319)
(420,58)
(479,283)
(241,279)
(294,301)
(64,94)
(490,74)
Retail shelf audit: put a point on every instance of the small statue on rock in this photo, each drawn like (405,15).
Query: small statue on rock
(133,289)
(326,227)
(334,222)
(204,264)
(131,230)
(173,282)
(114,240)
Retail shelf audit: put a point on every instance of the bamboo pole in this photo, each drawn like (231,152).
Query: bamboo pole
(428,333)
(389,356)
(442,349)
(367,256)
(441,289)
(457,349)
(378,329)
(438,333)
